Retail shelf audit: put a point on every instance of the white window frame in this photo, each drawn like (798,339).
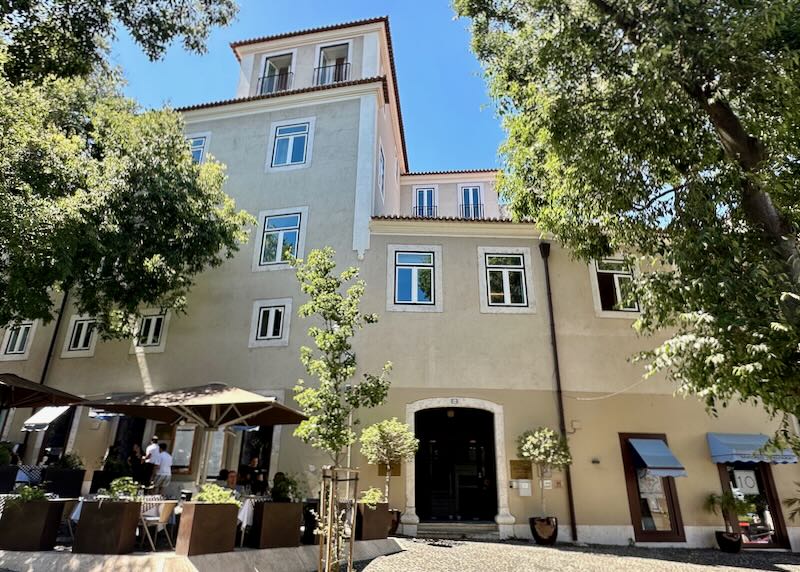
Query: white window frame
(598,306)
(301,238)
(483,280)
(318,53)
(283,340)
(381,172)
(391,278)
(205,135)
(162,343)
(311,121)
(28,342)
(481,198)
(89,352)
(415,205)
(263,64)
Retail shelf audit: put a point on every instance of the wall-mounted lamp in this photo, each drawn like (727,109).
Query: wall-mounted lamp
(595,460)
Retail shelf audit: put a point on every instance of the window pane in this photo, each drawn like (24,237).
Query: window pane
(504,260)
(277,321)
(757,521)
(612,266)
(299,149)
(215,453)
(424,285)
(414,258)
(608,294)
(496,287)
(12,341)
(263,323)
(291,129)
(289,248)
(429,197)
(625,284)
(283,221)
(281,151)
(269,250)
(403,285)
(197,155)
(155,329)
(517,287)
(182,448)
(653,501)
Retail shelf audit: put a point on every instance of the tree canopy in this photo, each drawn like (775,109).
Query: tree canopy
(69,38)
(98,197)
(669,131)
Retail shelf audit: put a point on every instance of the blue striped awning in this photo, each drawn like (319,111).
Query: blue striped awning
(746,448)
(657,458)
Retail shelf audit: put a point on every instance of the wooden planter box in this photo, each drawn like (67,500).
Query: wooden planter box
(207,529)
(276,525)
(66,483)
(107,527)
(8,478)
(30,526)
(373,524)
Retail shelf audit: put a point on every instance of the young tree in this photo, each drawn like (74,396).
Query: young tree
(668,129)
(386,443)
(329,405)
(547,450)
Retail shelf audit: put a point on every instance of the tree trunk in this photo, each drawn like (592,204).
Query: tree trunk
(386,486)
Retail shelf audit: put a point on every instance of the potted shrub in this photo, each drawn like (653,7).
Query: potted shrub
(277,524)
(8,472)
(730,507)
(30,521)
(209,523)
(546,450)
(64,476)
(108,525)
(112,468)
(373,519)
(387,443)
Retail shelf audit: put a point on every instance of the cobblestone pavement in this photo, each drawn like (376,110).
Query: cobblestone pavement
(457,556)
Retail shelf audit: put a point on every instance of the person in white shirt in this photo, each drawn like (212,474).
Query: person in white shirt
(150,459)
(163,470)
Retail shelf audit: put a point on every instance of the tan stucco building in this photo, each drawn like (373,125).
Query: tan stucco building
(314,147)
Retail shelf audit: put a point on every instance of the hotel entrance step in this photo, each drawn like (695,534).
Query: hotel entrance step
(458,530)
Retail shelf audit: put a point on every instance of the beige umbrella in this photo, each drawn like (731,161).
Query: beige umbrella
(214,406)
(16,391)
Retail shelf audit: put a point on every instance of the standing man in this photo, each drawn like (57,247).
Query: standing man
(151,460)
(163,470)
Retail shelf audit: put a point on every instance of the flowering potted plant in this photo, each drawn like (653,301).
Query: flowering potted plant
(30,521)
(385,444)
(209,523)
(108,525)
(546,450)
(730,506)
(64,476)
(373,519)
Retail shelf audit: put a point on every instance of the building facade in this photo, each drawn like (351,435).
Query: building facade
(314,147)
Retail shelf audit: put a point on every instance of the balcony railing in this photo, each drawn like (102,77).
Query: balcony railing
(274,83)
(423,211)
(327,75)
(471,211)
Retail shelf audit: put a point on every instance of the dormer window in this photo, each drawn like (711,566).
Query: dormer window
(334,64)
(277,74)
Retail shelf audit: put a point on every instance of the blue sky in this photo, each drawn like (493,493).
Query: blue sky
(449,120)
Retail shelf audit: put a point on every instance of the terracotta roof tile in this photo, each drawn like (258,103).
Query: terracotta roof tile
(444,219)
(450,172)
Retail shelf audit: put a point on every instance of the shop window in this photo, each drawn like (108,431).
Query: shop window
(652,498)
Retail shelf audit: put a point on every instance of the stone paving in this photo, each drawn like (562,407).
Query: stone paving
(464,556)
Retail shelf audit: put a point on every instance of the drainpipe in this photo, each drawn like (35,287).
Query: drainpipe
(544,249)
(49,357)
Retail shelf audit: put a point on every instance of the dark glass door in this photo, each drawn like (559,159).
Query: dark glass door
(455,465)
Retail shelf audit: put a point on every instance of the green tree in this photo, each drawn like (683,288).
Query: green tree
(69,38)
(671,130)
(387,442)
(547,450)
(329,406)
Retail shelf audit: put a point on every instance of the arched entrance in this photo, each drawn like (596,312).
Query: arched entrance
(455,465)
(503,517)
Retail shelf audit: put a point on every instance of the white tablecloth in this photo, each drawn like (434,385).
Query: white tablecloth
(150,507)
(248,508)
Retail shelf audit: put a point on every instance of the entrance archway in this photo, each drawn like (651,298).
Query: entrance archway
(504,519)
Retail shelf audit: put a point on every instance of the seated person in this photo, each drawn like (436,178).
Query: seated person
(222,477)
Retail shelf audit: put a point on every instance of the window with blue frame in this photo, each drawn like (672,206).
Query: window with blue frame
(290,146)
(414,278)
(198,148)
(280,238)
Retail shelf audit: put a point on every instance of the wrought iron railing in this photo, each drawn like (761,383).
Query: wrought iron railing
(424,211)
(274,83)
(326,75)
(471,210)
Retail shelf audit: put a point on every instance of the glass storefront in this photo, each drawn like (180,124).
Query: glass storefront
(751,482)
